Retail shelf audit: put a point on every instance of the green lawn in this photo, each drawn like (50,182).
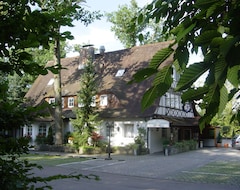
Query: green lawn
(51,160)
(221,172)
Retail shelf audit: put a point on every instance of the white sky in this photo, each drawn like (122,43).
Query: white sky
(99,32)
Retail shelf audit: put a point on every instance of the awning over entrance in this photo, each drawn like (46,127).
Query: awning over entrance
(158,123)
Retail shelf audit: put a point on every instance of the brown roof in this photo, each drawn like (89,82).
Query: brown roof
(107,66)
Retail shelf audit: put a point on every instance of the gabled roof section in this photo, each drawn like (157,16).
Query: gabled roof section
(107,66)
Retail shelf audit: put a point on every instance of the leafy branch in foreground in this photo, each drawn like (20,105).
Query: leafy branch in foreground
(15,173)
(211,27)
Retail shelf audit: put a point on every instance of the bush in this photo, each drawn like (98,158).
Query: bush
(41,139)
(183,146)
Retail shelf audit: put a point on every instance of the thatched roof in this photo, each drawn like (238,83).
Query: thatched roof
(107,65)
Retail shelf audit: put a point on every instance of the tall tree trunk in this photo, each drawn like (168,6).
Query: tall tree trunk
(58,96)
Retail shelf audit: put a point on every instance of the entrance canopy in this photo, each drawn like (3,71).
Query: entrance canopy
(158,123)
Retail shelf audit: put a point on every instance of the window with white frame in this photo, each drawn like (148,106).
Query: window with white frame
(29,131)
(128,130)
(70,102)
(120,73)
(51,101)
(168,100)
(93,103)
(103,100)
(62,102)
(42,130)
(173,100)
(50,82)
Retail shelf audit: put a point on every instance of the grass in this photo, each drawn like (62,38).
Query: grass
(51,160)
(221,172)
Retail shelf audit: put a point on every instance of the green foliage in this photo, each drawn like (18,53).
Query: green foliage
(185,145)
(219,138)
(86,115)
(211,27)
(128,32)
(139,139)
(223,120)
(23,31)
(49,139)
(15,173)
(41,139)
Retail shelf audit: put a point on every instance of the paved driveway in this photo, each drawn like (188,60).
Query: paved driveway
(156,165)
(150,172)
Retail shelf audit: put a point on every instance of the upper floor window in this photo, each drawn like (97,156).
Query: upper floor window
(173,100)
(70,102)
(103,100)
(51,100)
(120,72)
(62,102)
(93,104)
(176,78)
(50,82)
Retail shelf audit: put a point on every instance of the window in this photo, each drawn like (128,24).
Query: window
(93,104)
(42,130)
(51,100)
(70,102)
(29,131)
(111,130)
(177,101)
(103,100)
(50,82)
(128,130)
(120,72)
(168,101)
(173,100)
(62,102)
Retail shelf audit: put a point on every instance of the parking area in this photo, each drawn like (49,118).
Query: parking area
(180,167)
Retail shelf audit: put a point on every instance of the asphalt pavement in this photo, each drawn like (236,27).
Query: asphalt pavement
(156,170)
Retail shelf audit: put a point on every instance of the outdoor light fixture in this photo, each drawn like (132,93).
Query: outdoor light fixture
(109,125)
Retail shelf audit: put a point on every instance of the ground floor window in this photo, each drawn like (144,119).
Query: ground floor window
(42,130)
(128,130)
(29,130)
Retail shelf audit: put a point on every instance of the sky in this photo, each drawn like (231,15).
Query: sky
(99,32)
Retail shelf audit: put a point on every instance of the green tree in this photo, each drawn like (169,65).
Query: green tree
(127,32)
(23,28)
(64,13)
(223,120)
(19,85)
(86,115)
(211,27)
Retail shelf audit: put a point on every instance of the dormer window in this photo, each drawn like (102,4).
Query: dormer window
(50,82)
(51,100)
(104,100)
(70,102)
(120,72)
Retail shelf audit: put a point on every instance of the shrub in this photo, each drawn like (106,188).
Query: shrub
(41,139)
